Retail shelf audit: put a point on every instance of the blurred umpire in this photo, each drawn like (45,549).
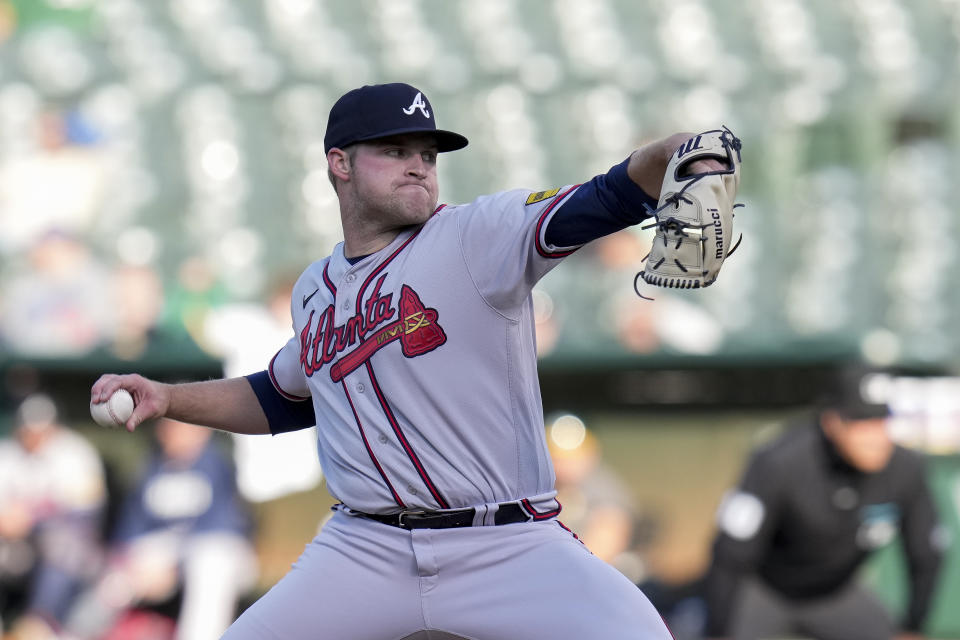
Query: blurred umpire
(809,509)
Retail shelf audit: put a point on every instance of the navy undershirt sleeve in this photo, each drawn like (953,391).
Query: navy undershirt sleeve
(607,203)
(282,413)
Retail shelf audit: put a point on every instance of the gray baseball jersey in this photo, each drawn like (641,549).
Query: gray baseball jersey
(421,364)
(421,361)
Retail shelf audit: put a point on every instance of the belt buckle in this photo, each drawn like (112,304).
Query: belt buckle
(409,512)
(509,510)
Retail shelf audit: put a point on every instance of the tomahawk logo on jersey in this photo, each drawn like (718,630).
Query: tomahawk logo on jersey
(322,341)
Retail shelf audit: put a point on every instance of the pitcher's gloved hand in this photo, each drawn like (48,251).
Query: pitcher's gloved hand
(694,216)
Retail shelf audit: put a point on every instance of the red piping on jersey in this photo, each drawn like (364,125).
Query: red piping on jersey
(327,281)
(380,268)
(276,385)
(540,515)
(387,261)
(404,442)
(373,458)
(543,216)
(667,627)
(568,530)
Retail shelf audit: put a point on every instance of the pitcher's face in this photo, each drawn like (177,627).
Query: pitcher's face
(395,179)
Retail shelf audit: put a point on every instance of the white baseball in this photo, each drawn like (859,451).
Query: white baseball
(115,412)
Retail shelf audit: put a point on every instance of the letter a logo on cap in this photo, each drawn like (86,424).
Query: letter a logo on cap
(418,103)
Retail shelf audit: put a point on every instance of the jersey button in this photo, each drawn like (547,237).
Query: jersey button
(360,387)
(351,277)
(346,305)
(412,489)
(383,439)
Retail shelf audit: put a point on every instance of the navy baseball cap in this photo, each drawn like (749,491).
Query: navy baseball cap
(850,396)
(381,110)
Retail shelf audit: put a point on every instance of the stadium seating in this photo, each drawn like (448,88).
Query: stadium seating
(196,129)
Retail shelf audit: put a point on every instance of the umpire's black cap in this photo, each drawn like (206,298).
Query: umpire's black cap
(381,110)
(856,395)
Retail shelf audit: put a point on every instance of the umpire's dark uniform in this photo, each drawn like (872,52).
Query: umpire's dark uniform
(797,527)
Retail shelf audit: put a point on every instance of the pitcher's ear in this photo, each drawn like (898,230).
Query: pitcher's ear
(338,161)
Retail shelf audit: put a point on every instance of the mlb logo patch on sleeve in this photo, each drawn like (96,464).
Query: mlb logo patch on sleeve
(540,196)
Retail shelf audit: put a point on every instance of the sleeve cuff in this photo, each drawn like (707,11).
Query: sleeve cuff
(626,189)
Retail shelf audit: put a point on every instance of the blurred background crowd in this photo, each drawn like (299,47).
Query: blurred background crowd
(162,183)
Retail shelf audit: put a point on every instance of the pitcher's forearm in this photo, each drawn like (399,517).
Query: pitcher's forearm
(228,405)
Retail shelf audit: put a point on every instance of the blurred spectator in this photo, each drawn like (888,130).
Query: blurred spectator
(58,303)
(52,496)
(183,531)
(54,169)
(138,304)
(196,292)
(810,508)
(672,324)
(596,503)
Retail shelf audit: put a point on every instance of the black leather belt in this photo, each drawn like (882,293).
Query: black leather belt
(507,513)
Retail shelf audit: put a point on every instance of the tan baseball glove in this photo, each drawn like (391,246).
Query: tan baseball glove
(694,216)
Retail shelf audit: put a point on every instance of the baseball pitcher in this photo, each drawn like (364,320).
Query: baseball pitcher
(413,353)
